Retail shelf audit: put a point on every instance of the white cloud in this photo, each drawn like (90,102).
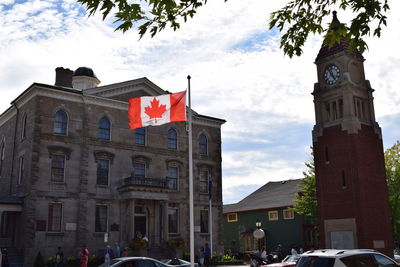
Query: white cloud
(238,73)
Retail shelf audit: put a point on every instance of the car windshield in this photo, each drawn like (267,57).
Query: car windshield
(313,261)
(291,258)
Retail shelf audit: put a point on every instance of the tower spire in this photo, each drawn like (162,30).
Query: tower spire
(344,44)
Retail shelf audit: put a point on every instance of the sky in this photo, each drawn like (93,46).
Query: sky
(238,72)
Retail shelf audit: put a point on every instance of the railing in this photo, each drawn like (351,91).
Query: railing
(165,183)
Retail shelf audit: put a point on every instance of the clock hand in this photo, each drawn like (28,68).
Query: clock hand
(331,73)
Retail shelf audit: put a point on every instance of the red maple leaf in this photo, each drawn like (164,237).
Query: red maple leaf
(155,111)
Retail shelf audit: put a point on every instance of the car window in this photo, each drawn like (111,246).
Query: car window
(349,261)
(313,261)
(130,263)
(366,260)
(383,261)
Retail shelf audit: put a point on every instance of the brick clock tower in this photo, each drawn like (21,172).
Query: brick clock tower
(352,194)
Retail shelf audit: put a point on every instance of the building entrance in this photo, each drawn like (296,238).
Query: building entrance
(141,225)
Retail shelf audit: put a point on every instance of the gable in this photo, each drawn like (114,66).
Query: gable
(126,90)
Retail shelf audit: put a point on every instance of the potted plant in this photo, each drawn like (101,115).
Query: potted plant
(177,244)
(140,245)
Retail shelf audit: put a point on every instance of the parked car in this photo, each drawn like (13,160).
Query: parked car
(135,262)
(178,262)
(288,261)
(345,258)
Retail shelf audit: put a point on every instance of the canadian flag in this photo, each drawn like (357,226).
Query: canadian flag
(156,110)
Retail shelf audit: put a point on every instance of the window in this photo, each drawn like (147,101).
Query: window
(203,145)
(288,214)
(333,109)
(273,215)
(232,217)
(57,168)
(23,132)
(20,170)
(172,220)
(54,217)
(139,170)
(60,123)
(104,129)
(203,221)
(2,151)
(250,243)
(4,224)
(140,136)
(102,171)
(172,139)
(101,218)
(172,178)
(204,181)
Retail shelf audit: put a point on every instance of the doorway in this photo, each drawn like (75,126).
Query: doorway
(141,224)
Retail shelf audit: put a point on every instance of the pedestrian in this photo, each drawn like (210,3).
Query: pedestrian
(207,255)
(263,253)
(124,252)
(116,250)
(84,257)
(293,251)
(107,256)
(59,257)
(201,257)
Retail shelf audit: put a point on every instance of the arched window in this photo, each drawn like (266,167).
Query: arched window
(60,122)
(172,139)
(104,129)
(203,145)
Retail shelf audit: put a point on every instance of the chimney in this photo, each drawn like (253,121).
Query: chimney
(63,77)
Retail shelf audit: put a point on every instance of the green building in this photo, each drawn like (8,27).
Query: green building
(270,205)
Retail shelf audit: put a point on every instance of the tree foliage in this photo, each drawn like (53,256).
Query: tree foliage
(306,201)
(299,18)
(296,20)
(392,163)
(146,15)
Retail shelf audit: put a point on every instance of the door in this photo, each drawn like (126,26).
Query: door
(141,225)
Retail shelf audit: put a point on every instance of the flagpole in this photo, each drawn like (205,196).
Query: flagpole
(191,213)
(210,215)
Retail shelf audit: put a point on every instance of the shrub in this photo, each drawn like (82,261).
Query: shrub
(39,261)
(176,243)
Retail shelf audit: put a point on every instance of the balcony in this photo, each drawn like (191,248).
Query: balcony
(148,182)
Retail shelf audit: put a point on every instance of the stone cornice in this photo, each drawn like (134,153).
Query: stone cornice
(81,97)
(125,87)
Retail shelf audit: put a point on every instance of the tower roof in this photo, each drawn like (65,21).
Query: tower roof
(84,71)
(325,51)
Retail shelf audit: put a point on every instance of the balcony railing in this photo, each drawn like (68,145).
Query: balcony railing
(164,183)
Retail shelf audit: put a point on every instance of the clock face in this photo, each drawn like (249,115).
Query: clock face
(331,75)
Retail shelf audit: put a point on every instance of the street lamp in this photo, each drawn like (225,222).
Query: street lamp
(258,234)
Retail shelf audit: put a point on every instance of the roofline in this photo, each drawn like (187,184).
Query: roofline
(273,208)
(222,121)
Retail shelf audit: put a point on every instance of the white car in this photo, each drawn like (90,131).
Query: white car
(345,258)
(136,262)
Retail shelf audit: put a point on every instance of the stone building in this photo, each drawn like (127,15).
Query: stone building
(73,174)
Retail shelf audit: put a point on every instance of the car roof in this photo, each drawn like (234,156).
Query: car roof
(337,253)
